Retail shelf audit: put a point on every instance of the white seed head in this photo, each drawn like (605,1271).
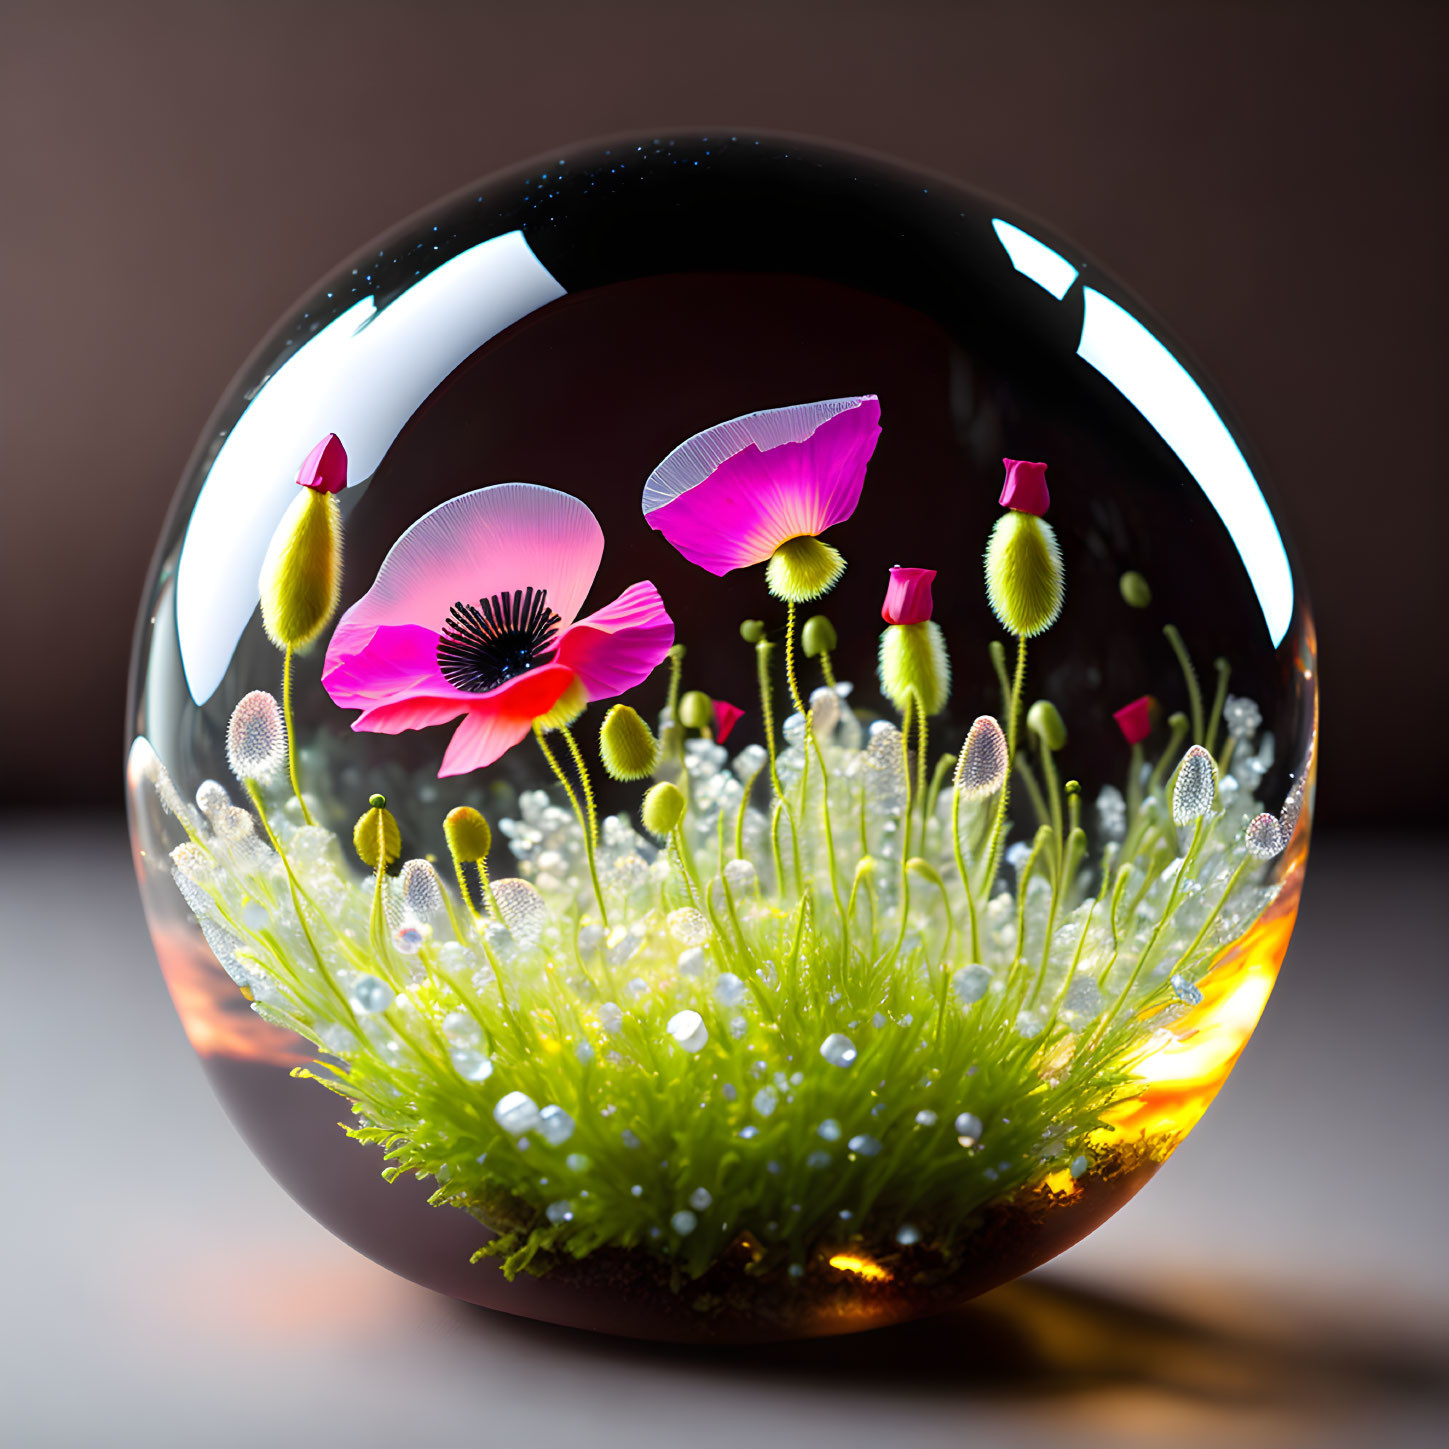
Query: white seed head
(256,738)
(1196,787)
(421,893)
(981,769)
(525,912)
(211,798)
(1264,837)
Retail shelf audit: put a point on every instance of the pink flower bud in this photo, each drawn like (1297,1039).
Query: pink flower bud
(908,596)
(1135,719)
(726,717)
(324,469)
(1025,488)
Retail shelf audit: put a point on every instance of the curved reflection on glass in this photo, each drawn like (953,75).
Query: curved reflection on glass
(825,1071)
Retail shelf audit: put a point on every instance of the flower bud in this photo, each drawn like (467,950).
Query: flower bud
(301,578)
(1135,589)
(1135,720)
(1025,488)
(913,662)
(817,637)
(908,596)
(468,834)
(752,631)
(626,745)
(1044,720)
(377,828)
(663,808)
(981,768)
(726,717)
(696,710)
(1025,584)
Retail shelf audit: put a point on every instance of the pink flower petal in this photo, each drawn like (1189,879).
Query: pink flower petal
(1135,720)
(1025,488)
(621,644)
(367,667)
(726,717)
(325,467)
(493,541)
(908,596)
(731,495)
(480,740)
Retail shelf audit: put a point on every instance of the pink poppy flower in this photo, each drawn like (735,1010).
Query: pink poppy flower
(475,613)
(741,492)
(726,717)
(908,596)
(1135,720)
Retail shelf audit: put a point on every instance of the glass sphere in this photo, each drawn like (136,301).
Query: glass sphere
(700,940)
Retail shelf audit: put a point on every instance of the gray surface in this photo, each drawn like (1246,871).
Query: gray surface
(1284,1281)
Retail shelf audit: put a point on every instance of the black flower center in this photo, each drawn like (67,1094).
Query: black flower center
(502,637)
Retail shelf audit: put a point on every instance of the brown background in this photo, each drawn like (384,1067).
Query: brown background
(1266,176)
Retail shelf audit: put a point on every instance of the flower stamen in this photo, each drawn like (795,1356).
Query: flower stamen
(504,636)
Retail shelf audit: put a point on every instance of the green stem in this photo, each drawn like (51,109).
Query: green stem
(767,711)
(583,819)
(1189,675)
(1220,696)
(1013,709)
(292,735)
(965,874)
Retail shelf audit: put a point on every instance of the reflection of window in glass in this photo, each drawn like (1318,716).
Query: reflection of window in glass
(1163,391)
(361,377)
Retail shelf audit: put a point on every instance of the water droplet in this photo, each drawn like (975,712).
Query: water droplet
(864,1145)
(906,1235)
(516,1113)
(471,1065)
(559,1212)
(688,926)
(838,1050)
(691,962)
(971,983)
(700,1199)
(688,1030)
(729,990)
(968,1129)
(740,874)
(555,1125)
(1185,990)
(818,1160)
(829,1129)
(1079,1165)
(371,995)
(925,1118)
(684,1222)
(765,1101)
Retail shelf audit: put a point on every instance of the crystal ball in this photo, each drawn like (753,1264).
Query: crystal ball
(739,716)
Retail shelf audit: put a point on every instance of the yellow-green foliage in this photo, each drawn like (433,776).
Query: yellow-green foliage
(377,827)
(1025,584)
(301,577)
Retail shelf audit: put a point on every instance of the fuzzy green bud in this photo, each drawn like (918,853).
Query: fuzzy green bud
(817,637)
(914,664)
(626,746)
(468,834)
(1044,720)
(1135,589)
(663,808)
(376,837)
(752,631)
(301,579)
(918,865)
(1025,583)
(802,569)
(696,710)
